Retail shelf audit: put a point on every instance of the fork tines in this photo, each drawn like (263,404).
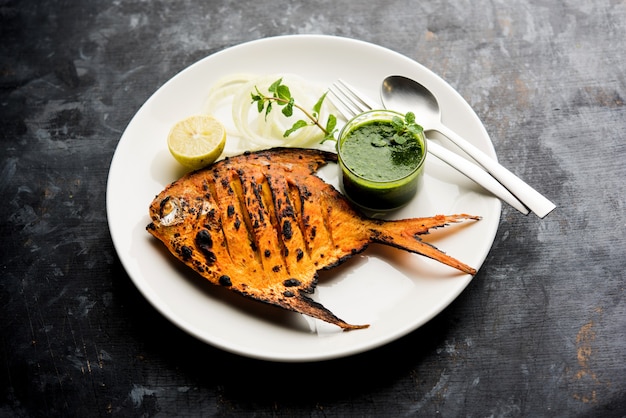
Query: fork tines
(347,100)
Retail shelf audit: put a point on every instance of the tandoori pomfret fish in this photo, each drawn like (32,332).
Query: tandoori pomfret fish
(263,224)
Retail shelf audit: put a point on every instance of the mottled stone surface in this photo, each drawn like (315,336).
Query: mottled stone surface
(541,331)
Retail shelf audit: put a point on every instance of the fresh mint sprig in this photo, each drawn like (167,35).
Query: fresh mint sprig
(402,126)
(281,96)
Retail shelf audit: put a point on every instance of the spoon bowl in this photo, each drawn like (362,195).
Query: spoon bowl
(404,95)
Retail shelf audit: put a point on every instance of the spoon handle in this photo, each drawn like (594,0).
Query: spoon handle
(476,173)
(530,197)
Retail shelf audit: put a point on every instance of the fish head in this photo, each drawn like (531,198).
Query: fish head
(167,214)
(178,210)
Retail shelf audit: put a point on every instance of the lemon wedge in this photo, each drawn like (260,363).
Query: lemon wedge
(197,141)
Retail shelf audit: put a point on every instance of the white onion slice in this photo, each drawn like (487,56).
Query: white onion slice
(249,130)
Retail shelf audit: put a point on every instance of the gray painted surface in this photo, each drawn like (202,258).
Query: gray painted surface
(541,331)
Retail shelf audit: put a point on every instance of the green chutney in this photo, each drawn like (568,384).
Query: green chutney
(380,166)
(366,156)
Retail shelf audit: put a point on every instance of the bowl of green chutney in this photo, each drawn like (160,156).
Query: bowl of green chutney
(381,154)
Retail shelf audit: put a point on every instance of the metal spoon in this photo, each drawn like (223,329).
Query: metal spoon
(404,95)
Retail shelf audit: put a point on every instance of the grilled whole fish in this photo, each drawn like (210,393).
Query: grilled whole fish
(262,224)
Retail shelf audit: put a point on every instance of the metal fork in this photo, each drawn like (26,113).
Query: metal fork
(349,102)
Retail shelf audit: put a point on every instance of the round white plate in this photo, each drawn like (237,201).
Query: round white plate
(394,291)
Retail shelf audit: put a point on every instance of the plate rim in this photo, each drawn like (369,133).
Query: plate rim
(224,345)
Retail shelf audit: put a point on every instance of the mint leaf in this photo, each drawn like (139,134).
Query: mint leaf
(415,129)
(298,125)
(260,106)
(331,123)
(268,109)
(397,123)
(282,92)
(318,106)
(288,109)
(274,87)
(399,139)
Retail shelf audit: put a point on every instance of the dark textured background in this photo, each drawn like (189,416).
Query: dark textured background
(541,331)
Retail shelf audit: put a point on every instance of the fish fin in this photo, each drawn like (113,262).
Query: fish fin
(307,306)
(404,234)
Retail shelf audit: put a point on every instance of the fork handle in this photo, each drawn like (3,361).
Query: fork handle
(476,173)
(530,197)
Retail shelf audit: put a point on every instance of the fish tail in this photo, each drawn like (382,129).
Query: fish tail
(404,234)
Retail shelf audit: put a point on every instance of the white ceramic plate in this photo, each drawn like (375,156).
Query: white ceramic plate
(394,291)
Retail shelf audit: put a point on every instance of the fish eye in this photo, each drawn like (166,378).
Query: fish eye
(169,211)
(166,206)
